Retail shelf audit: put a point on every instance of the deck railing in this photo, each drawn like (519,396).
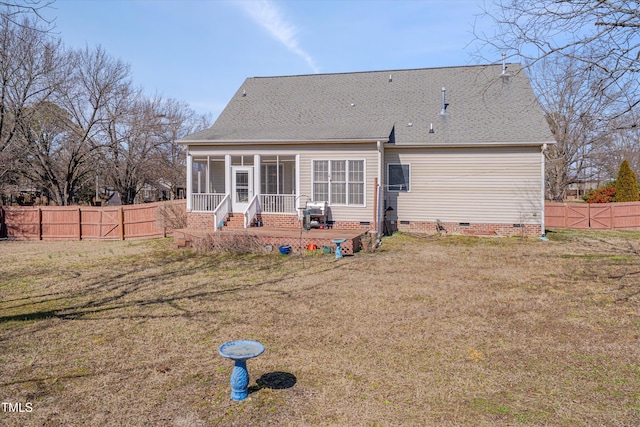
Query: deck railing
(278,203)
(206,202)
(221,211)
(251,211)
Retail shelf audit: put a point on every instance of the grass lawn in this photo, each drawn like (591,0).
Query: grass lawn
(449,331)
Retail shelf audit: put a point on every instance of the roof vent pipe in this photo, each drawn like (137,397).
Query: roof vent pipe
(444,102)
(504,63)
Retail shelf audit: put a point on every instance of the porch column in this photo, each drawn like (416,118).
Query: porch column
(227,174)
(208,173)
(257,176)
(189,181)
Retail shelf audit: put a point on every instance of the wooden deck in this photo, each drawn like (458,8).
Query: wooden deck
(275,237)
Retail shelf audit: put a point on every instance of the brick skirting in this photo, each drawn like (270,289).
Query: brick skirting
(482,229)
(200,220)
(204,221)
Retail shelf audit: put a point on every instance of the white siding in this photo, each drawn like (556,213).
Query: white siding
(474,185)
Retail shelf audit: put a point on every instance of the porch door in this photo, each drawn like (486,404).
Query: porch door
(241,187)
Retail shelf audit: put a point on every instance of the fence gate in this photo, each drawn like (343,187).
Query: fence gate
(600,216)
(110,223)
(577,216)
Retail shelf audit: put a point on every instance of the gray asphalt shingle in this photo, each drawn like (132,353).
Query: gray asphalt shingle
(484,107)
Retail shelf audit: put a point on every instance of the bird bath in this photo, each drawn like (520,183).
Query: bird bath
(240,351)
(338,242)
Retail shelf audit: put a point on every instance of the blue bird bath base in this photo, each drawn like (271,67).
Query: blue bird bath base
(338,242)
(240,351)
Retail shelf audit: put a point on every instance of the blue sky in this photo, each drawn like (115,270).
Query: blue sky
(200,51)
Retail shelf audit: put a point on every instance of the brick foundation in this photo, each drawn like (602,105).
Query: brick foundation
(292,221)
(204,221)
(200,220)
(528,230)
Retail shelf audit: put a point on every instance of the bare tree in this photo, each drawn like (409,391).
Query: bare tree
(141,148)
(29,74)
(178,121)
(15,11)
(133,134)
(624,144)
(68,116)
(599,35)
(50,155)
(576,113)
(97,82)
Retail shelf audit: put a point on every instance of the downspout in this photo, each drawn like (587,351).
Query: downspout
(298,192)
(380,187)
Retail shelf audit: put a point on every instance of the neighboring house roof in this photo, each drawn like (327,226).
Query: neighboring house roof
(398,106)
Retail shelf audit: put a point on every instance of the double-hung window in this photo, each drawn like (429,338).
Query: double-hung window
(340,182)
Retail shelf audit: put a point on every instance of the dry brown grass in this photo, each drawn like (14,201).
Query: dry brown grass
(423,332)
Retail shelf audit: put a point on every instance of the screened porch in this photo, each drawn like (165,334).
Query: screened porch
(242,183)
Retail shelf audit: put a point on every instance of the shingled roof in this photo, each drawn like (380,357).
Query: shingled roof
(398,106)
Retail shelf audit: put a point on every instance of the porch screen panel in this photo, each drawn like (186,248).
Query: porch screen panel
(199,177)
(217,175)
(271,174)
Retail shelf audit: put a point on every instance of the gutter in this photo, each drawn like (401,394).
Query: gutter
(281,141)
(469,144)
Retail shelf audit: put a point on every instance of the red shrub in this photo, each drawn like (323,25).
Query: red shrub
(604,194)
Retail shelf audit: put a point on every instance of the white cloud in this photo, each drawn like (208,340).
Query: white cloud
(266,14)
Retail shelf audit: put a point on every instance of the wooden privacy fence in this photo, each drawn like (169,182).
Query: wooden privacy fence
(594,216)
(83,222)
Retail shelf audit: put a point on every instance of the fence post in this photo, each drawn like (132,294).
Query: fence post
(39,223)
(79,223)
(121,223)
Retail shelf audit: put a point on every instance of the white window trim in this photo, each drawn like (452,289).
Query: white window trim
(389,176)
(347,182)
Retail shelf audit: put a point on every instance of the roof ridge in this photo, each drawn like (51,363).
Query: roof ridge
(387,71)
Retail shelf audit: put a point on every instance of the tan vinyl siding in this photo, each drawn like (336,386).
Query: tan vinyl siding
(474,185)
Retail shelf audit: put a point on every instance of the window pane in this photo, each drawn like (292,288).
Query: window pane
(399,177)
(321,192)
(242,187)
(356,171)
(338,193)
(338,170)
(320,170)
(356,194)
